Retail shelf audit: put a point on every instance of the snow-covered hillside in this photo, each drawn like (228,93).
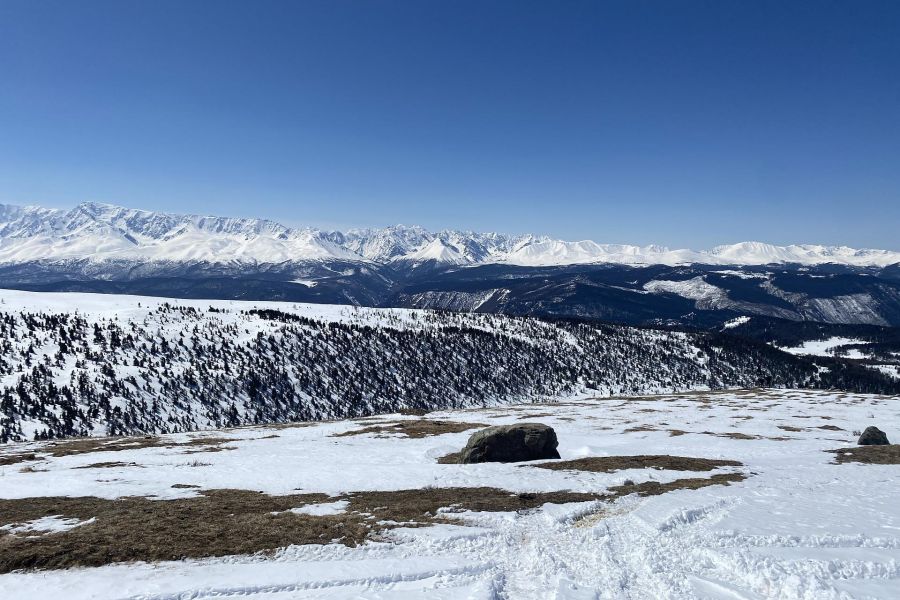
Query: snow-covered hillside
(84,364)
(101,232)
(714,496)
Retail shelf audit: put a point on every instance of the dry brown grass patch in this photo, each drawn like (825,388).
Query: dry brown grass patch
(413,412)
(735,435)
(418,428)
(870,455)
(423,506)
(226,522)
(655,488)
(217,523)
(86,445)
(640,428)
(16,458)
(450,459)
(289,425)
(609,464)
(75,446)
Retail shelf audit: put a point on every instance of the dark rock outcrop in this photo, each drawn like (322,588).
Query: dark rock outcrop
(511,443)
(873,436)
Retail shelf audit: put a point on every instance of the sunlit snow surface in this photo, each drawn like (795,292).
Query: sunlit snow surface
(828,347)
(798,527)
(99,232)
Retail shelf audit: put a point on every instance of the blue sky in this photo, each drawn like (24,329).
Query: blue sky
(683,123)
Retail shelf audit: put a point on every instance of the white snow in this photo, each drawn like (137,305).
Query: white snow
(891,370)
(98,232)
(51,524)
(320,510)
(439,251)
(742,274)
(799,526)
(705,294)
(827,347)
(736,322)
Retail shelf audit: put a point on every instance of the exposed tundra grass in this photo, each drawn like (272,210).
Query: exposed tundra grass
(227,522)
(609,464)
(871,455)
(414,429)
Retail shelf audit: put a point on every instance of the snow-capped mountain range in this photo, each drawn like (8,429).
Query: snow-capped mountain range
(101,232)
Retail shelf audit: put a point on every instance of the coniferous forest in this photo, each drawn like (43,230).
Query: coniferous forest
(178,366)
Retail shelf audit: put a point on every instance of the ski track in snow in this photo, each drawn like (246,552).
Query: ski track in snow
(798,527)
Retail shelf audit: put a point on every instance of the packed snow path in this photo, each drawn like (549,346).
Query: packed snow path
(799,525)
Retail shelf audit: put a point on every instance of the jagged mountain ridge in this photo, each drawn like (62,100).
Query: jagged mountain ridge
(102,248)
(81,364)
(101,232)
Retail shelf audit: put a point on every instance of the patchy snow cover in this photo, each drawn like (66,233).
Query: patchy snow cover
(799,526)
(306,282)
(891,370)
(51,524)
(742,274)
(705,294)
(104,232)
(320,510)
(827,347)
(736,322)
(96,364)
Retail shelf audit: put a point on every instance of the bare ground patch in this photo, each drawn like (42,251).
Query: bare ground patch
(737,435)
(450,459)
(228,522)
(610,464)
(225,522)
(870,455)
(108,465)
(16,458)
(655,488)
(216,523)
(640,428)
(87,445)
(418,428)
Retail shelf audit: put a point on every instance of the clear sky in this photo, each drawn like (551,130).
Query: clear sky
(683,123)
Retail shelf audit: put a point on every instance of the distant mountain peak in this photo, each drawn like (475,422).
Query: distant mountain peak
(98,231)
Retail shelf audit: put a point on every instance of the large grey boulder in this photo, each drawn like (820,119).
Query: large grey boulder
(511,443)
(873,436)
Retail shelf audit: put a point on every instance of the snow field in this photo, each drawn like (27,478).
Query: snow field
(799,526)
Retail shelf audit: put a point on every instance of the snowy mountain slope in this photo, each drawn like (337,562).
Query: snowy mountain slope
(82,364)
(104,232)
(695,295)
(108,249)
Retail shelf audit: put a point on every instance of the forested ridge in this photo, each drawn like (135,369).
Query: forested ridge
(174,367)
